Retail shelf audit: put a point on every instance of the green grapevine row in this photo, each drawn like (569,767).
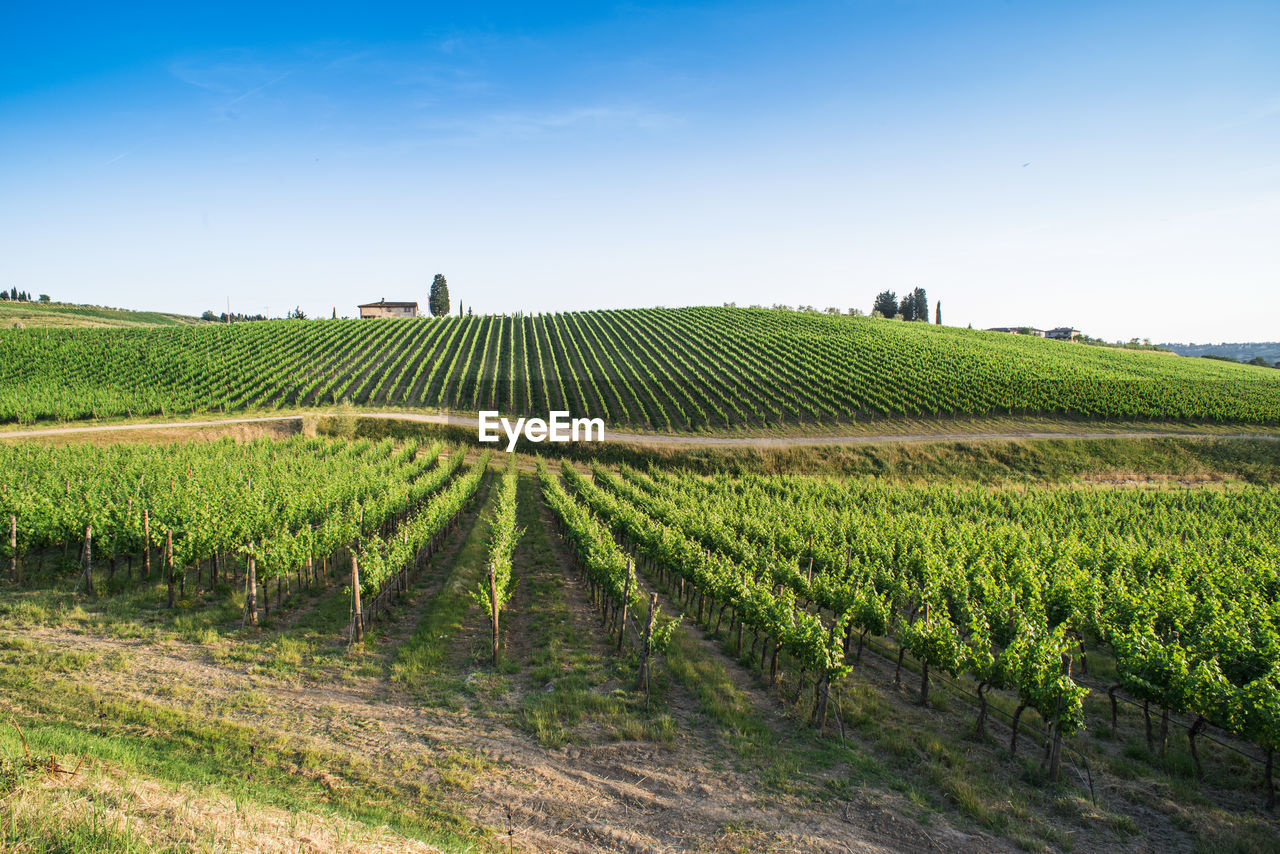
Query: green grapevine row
(493,594)
(1010,586)
(661,369)
(387,561)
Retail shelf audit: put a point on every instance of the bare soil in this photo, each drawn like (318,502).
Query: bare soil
(625,796)
(892,431)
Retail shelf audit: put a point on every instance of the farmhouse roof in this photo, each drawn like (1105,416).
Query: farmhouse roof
(384,304)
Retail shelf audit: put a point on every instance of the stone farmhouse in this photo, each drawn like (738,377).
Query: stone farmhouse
(382,308)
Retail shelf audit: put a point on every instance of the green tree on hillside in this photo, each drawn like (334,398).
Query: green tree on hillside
(915,306)
(438,302)
(886,303)
(937,317)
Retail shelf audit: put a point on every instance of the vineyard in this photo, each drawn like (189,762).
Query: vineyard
(1180,591)
(1063,632)
(657,369)
(289,513)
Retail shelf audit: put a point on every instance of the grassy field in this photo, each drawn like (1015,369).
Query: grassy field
(187,731)
(70,316)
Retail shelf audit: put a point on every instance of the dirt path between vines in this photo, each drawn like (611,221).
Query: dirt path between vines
(623,796)
(676,441)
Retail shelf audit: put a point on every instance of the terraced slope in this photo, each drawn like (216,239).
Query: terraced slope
(661,369)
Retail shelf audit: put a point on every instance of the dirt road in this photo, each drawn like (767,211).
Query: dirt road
(669,440)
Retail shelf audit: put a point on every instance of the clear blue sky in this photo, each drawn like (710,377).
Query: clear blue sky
(1113,166)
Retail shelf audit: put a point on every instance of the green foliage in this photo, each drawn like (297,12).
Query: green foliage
(438,301)
(934,639)
(663,631)
(383,558)
(284,502)
(886,304)
(914,306)
(998,584)
(659,369)
(605,564)
(658,537)
(503,536)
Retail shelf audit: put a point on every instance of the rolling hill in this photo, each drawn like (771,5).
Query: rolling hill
(1241,352)
(685,369)
(69,315)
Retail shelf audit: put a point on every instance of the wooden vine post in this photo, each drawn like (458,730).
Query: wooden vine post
(357,618)
(168,563)
(251,598)
(924,667)
(1055,753)
(493,611)
(88,560)
(13,549)
(626,597)
(146,541)
(644,653)
(1196,728)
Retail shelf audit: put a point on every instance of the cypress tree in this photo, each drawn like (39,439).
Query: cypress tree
(438,302)
(919,305)
(937,317)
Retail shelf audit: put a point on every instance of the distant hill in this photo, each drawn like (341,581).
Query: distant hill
(1269,350)
(58,314)
(683,369)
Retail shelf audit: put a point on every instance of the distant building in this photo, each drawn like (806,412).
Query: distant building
(382,308)
(1019,330)
(1063,333)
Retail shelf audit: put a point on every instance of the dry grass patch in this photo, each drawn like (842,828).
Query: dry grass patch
(105,809)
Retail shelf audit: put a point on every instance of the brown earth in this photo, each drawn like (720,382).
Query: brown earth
(937,432)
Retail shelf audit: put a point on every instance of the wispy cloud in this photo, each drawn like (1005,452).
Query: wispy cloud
(233,75)
(256,89)
(227,72)
(442,85)
(531,124)
(118,157)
